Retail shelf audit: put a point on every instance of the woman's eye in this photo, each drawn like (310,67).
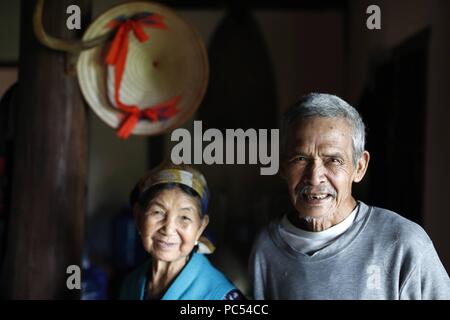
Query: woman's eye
(157,212)
(186,218)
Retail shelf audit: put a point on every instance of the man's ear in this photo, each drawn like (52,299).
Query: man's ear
(361,167)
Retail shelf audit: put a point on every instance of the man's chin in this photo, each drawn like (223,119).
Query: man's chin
(313,212)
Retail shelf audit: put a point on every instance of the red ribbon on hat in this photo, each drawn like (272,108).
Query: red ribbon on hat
(117,56)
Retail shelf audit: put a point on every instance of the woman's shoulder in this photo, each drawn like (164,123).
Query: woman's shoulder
(206,269)
(212,279)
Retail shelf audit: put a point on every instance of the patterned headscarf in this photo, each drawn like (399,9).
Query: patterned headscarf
(171,173)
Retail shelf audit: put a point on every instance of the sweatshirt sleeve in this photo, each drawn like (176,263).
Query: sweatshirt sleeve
(428,280)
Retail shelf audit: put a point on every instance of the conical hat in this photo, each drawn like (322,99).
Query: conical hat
(168,67)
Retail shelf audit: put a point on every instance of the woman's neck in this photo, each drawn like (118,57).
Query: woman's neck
(162,275)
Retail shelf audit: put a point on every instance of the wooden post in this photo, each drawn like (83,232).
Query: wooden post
(46,225)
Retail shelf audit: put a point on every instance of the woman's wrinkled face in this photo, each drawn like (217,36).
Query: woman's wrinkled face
(171,225)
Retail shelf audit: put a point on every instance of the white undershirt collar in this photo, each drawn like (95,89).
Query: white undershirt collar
(308,241)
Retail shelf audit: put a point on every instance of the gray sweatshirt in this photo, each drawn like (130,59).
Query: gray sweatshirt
(381,256)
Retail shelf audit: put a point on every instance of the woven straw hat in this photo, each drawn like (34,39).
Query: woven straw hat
(153,74)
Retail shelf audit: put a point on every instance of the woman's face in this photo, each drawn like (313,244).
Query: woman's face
(171,225)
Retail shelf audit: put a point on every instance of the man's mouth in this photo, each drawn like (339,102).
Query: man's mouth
(316,196)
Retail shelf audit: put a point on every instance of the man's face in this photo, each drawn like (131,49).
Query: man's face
(318,167)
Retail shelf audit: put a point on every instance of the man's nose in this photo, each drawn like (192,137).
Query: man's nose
(315,173)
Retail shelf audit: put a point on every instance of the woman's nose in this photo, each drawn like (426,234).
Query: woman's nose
(169,226)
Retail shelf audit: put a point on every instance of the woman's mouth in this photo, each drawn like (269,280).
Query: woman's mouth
(165,245)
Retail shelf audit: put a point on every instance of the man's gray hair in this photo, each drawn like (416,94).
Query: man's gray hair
(326,106)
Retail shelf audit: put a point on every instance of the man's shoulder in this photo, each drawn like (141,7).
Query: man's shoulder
(398,228)
(264,239)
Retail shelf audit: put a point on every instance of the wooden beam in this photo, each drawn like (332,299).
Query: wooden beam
(46,225)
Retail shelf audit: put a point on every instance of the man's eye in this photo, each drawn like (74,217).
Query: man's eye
(298,159)
(186,218)
(336,161)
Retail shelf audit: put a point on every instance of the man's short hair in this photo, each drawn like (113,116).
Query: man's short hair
(326,106)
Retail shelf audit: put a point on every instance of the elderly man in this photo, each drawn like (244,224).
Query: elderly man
(333,246)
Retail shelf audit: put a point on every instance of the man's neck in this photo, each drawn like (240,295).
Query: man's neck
(321,223)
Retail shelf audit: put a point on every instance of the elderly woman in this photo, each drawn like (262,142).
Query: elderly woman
(169,207)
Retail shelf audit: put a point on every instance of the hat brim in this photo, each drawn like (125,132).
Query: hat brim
(181,70)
